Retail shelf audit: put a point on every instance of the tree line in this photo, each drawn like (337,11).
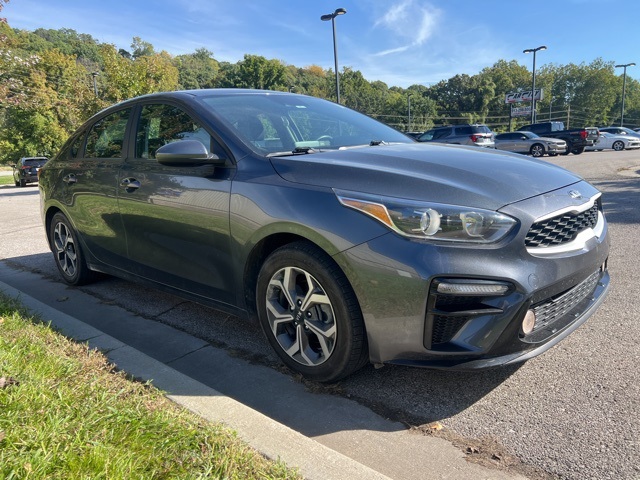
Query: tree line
(51,81)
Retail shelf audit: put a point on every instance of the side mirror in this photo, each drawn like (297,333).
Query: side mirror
(186,153)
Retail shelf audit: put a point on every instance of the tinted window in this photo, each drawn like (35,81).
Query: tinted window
(507,136)
(480,129)
(71,148)
(426,136)
(161,124)
(106,137)
(441,133)
(463,130)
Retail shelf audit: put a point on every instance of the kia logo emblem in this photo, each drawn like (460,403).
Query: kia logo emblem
(575,194)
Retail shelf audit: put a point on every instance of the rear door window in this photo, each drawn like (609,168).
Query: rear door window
(106,137)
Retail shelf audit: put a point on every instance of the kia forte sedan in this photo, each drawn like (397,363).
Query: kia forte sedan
(347,240)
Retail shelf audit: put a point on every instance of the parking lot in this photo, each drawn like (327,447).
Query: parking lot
(571,413)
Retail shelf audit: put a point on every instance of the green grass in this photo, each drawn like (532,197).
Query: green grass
(69,414)
(6,179)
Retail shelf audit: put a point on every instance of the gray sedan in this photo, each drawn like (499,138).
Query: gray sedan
(530,143)
(346,240)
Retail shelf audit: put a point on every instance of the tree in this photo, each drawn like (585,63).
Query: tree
(146,74)
(255,71)
(196,70)
(140,48)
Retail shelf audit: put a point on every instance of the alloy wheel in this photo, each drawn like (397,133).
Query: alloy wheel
(65,250)
(301,316)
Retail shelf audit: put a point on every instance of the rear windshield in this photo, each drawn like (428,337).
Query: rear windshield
(35,161)
(480,129)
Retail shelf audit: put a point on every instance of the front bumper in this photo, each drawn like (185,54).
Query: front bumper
(555,148)
(409,323)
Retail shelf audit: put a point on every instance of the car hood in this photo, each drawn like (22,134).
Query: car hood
(470,176)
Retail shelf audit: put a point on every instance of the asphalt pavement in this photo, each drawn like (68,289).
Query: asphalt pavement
(324,435)
(570,413)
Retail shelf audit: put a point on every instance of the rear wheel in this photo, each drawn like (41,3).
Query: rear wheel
(309,313)
(23,182)
(537,150)
(577,150)
(618,145)
(67,252)
(568,150)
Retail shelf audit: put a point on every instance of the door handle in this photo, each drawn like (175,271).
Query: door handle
(71,178)
(130,184)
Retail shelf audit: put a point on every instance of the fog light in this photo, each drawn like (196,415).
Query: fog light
(529,322)
(450,288)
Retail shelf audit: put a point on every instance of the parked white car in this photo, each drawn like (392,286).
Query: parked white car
(615,142)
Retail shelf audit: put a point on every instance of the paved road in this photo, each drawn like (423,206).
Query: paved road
(571,413)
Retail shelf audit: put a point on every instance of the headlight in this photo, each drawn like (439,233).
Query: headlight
(431,221)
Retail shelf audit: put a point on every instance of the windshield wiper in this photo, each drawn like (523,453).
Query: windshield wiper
(375,143)
(296,151)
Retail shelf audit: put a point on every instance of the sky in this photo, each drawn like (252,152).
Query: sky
(400,42)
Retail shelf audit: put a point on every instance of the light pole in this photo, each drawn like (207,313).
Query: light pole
(533,90)
(409,112)
(332,17)
(95,85)
(624,86)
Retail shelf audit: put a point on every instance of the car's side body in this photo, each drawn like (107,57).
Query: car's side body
(615,142)
(473,135)
(206,229)
(530,143)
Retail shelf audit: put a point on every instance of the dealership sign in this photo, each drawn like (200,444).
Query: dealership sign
(525,96)
(521,111)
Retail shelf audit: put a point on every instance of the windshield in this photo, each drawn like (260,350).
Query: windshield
(277,124)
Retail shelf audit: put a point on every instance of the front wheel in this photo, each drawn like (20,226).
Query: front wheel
(309,313)
(537,150)
(618,145)
(67,252)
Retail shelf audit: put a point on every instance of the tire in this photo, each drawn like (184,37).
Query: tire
(319,335)
(537,150)
(23,182)
(67,252)
(618,145)
(569,148)
(577,150)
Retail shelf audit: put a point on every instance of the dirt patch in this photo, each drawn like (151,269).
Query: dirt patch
(633,171)
(484,451)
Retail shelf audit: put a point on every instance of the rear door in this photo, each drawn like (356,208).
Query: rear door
(87,176)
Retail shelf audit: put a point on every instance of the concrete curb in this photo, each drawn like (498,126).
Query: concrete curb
(272,439)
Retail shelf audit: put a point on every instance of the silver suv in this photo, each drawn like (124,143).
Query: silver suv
(478,135)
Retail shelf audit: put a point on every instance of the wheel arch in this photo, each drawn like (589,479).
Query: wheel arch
(261,251)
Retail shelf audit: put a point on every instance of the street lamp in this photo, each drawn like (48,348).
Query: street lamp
(533,90)
(624,86)
(95,85)
(332,17)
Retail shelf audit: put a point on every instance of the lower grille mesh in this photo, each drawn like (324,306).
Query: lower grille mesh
(558,307)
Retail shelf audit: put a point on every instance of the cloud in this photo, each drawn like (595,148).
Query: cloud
(412,21)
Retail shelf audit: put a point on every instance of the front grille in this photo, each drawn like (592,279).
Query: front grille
(561,229)
(559,306)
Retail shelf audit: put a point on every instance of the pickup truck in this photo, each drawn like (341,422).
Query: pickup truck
(577,139)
